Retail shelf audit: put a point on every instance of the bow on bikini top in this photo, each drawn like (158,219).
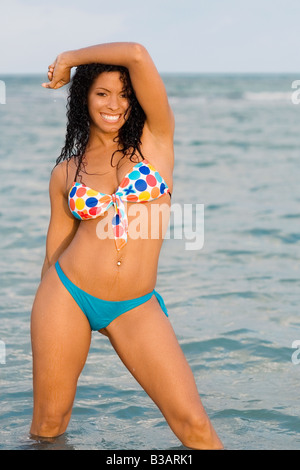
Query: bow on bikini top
(142,184)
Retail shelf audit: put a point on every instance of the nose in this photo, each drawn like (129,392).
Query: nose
(113,103)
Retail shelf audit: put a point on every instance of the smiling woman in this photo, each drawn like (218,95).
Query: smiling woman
(118,113)
(87,96)
(110,104)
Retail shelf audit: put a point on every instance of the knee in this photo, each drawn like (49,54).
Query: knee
(191,429)
(196,432)
(49,425)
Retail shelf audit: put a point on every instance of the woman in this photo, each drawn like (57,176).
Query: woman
(119,117)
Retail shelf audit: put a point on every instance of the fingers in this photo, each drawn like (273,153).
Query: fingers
(50,77)
(58,75)
(47,85)
(50,84)
(53,84)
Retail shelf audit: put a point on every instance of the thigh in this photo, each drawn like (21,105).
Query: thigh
(146,343)
(61,337)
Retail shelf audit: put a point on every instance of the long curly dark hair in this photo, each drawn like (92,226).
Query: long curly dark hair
(78,124)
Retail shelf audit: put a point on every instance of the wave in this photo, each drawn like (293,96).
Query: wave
(267,96)
(249,96)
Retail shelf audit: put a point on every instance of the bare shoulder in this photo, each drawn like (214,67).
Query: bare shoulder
(62,177)
(62,224)
(160,153)
(158,148)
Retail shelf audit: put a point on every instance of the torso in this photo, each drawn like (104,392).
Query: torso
(91,260)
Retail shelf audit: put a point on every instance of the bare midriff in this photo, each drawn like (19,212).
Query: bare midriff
(93,263)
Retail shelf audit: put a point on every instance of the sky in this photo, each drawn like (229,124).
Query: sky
(185,36)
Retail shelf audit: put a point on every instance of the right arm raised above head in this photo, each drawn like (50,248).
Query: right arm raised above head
(146,81)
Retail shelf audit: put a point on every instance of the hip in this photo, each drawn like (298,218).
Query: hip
(96,267)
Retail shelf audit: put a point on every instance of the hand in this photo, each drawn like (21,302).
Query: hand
(59,73)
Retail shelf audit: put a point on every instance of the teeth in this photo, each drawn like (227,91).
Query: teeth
(111,118)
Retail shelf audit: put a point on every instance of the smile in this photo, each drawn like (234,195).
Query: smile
(110,117)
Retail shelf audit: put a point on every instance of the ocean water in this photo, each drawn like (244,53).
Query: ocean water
(234,302)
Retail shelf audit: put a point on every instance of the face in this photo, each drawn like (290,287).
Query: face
(108,103)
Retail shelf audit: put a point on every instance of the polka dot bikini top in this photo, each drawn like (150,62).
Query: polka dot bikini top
(143,183)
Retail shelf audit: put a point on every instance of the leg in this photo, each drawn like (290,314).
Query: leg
(60,343)
(145,341)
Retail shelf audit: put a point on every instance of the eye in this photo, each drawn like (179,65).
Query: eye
(101,93)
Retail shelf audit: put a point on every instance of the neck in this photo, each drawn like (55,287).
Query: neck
(101,139)
(100,148)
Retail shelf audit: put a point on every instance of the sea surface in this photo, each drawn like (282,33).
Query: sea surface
(233,300)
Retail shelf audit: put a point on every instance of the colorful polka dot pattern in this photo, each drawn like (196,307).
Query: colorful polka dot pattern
(143,183)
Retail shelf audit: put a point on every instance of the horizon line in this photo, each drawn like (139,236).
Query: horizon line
(185,72)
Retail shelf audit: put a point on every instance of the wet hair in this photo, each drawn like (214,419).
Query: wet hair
(78,118)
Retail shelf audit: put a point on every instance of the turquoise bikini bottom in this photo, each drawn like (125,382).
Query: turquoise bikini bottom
(100,313)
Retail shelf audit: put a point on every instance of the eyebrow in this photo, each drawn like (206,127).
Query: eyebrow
(102,88)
